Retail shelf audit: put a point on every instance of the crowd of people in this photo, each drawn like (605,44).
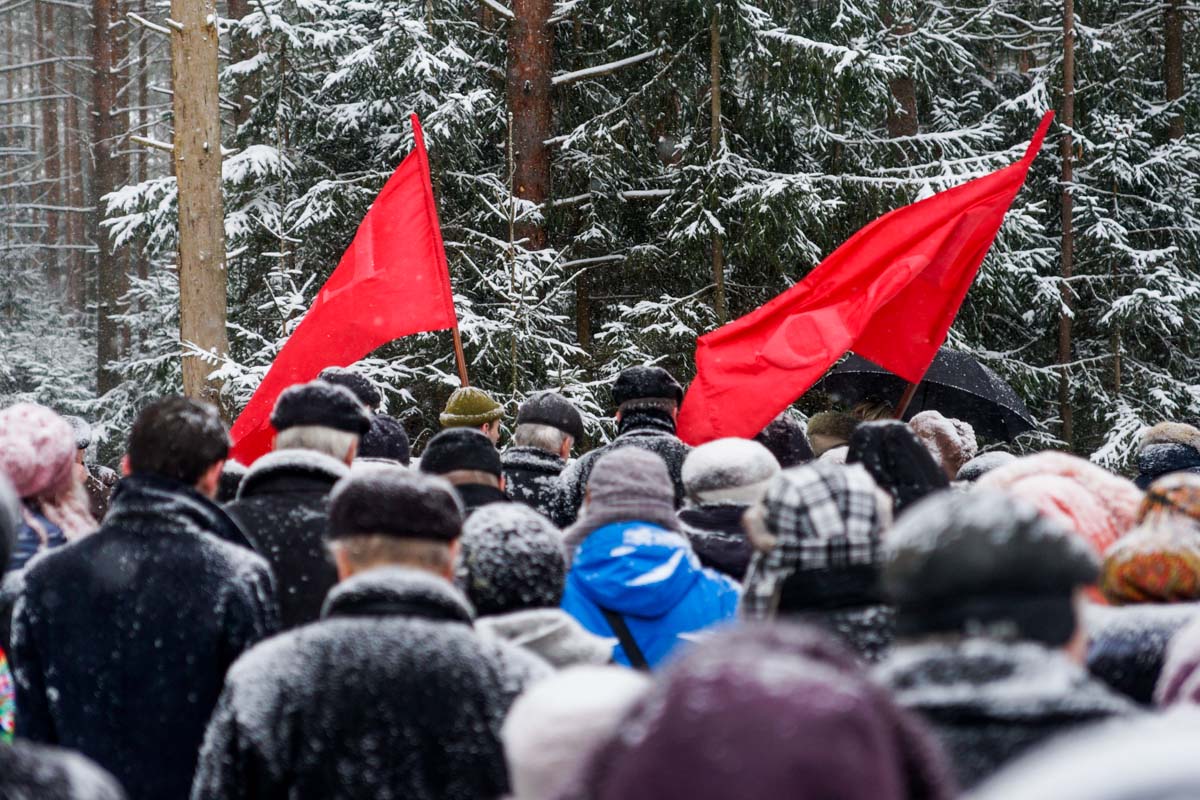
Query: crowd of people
(846,607)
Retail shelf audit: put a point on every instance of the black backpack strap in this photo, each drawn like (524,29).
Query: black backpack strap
(617,622)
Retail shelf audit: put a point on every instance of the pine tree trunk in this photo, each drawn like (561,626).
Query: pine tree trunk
(238,52)
(1068,241)
(902,116)
(51,150)
(531,56)
(74,141)
(111,280)
(198,174)
(1173,62)
(718,244)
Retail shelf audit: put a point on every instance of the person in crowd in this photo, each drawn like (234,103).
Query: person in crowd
(784,436)
(98,481)
(989,641)
(647,401)
(121,639)
(1089,500)
(951,442)
(761,713)
(554,726)
(10,522)
(547,427)
(472,407)
(40,458)
(1151,580)
(282,503)
(723,478)
(982,464)
(511,567)
(392,693)
(1179,680)
(387,438)
(818,536)
(633,575)
(829,430)
(1149,758)
(1165,448)
(470,462)
(897,460)
(230,481)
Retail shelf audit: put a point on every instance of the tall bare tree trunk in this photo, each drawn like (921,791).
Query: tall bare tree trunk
(237,52)
(718,243)
(51,149)
(902,116)
(1173,62)
(202,283)
(1068,239)
(73,143)
(110,172)
(531,56)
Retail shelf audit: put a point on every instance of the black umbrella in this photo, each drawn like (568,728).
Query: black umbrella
(956,385)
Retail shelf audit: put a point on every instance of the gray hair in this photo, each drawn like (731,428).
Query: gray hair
(330,441)
(543,437)
(366,552)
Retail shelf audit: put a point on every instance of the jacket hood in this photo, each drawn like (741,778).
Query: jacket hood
(282,470)
(550,633)
(635,568)
(154,503)
(1172,433)
(398,591)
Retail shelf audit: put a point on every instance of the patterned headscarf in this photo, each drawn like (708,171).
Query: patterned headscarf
(1159,560)
(823,516)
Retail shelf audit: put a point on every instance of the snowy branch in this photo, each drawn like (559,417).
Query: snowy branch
(499,8)
(145,23)
(592,72)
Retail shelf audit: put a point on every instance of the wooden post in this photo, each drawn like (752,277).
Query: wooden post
(718,244)
(1173,62)
(1068,241)
(460,357)
(906,399)
(202,283)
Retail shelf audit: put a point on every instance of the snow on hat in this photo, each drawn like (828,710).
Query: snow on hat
(386,439)
(37,449)
(982,464)
(387,500)
(982,562)
(1093,502)
(470,407)
(83,432)
(320,404)
(460,448)
(1159,560)
(646,383)
(784,436)
(554,725)
(951,442)
(551,408)
(728,470)
(510,559)
(360,384)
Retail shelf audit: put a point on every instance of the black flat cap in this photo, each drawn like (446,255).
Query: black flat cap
(361,385)
(388,500)
(646,383)
(323,404)
(460,448)
(551,408)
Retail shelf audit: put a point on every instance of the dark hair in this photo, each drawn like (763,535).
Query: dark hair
(177,438)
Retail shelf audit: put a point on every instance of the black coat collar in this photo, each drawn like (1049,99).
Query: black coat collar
(152,503)
(398,592)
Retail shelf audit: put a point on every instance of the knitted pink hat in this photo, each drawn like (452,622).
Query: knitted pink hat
(37,449)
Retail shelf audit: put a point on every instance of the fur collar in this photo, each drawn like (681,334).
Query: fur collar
(1172,433)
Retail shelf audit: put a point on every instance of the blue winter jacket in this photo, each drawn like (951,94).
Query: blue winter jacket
(651,577)
(29,544)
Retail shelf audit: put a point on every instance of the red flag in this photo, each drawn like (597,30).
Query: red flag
(890,293)
(392,281)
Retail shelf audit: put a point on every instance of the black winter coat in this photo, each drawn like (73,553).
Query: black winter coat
(474,495)
(1163,458)
(283,506)
(715,531)
(35,772)
(531,477)
(1129,644)
(990,702)
(392,695)
(121,639)
(649,430)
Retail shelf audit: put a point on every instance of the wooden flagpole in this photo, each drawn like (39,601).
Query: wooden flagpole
(460,357)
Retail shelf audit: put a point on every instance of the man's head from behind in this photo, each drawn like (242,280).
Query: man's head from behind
(464,457)
(180,439)
(648,389)
(383,515)
(320,416)
(547,421)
